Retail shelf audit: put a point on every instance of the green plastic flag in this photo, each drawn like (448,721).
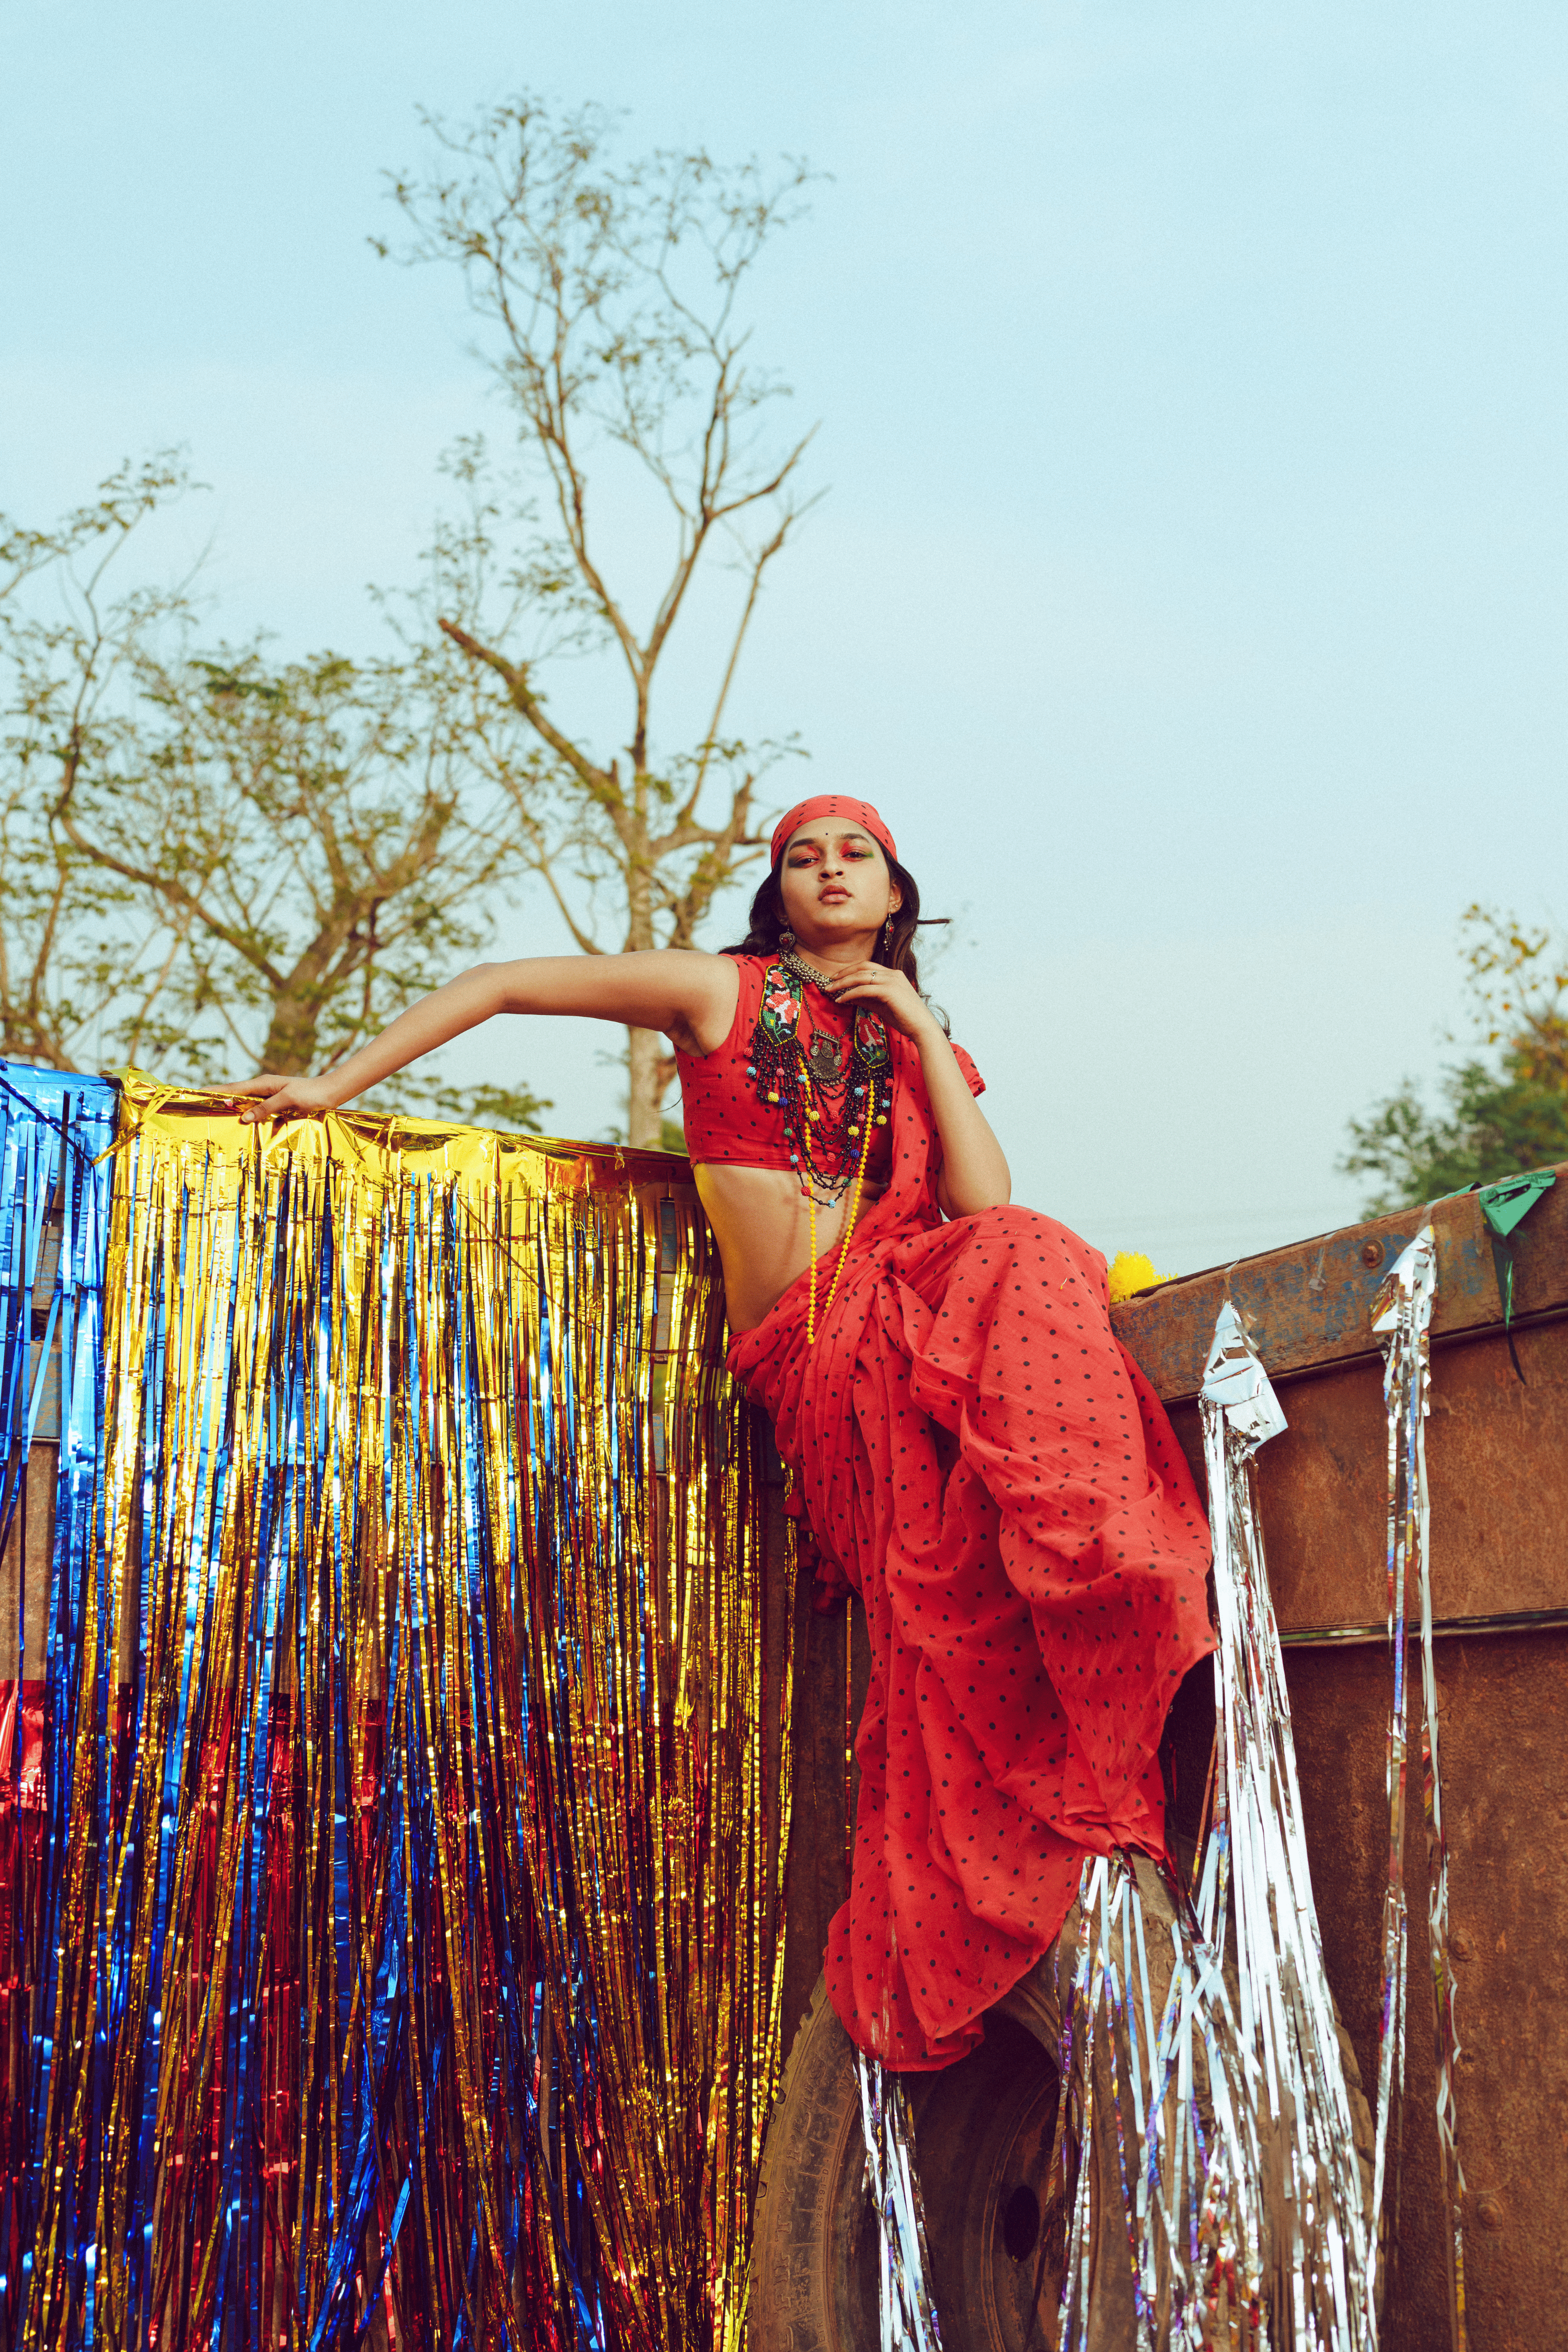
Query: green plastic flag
(1504,1207)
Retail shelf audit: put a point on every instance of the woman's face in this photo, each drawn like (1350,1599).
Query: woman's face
(833,880)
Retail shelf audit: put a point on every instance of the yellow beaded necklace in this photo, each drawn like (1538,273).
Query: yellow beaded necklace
(866,1126)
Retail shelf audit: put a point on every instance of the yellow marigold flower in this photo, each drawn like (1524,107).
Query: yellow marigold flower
(1131,1272)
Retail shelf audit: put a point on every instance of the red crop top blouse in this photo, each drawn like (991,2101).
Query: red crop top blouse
(724,1120)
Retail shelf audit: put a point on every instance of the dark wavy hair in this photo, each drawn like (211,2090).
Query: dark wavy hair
(767,920)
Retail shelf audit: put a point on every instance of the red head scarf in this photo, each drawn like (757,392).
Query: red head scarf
(858,813)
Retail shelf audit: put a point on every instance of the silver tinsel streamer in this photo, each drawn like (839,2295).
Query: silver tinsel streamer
(1227,2124)
(1256,1859)
(1401,1317)
(1159,2105)
(909,2321)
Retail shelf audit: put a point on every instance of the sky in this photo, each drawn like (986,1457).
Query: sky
(1191,582)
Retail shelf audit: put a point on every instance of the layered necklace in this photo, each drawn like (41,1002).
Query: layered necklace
(833,1092)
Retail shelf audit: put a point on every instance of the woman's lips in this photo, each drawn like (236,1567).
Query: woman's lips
(833,897)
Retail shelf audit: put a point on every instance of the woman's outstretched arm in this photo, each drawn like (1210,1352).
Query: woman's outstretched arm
(676,990)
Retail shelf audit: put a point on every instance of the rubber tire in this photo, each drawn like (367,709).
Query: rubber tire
(983,2133)
(983,2130)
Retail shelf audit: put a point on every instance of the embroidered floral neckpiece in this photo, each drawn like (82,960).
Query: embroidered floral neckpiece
(833,1091)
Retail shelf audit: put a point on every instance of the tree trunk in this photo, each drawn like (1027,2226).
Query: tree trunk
(645,1104)
(291,1044)
(645,1047)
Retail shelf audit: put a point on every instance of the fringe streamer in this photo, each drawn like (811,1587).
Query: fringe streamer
(1323,2287)
(1211,2099)
(418,1963)
(54,1217)
(1401,1317)
(907,2315)
(1156,2124)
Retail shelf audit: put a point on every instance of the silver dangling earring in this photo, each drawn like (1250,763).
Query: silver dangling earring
(786,940)
(886,938)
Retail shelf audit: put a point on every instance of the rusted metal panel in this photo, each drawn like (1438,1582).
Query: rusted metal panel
(1498,1455)
(24,1562)
(1505,1778)
(832,1669)
(1498,1465)
(1308,1305)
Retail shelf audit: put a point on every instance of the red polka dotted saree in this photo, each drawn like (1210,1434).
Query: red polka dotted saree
(993,1474)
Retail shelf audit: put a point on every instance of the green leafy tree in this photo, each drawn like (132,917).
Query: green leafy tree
(79,957)
(1496,1115)
(219,859)
(610,299)
(307,830)
(100,527)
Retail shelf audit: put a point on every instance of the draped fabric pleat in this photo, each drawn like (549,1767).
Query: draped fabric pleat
(988,1468)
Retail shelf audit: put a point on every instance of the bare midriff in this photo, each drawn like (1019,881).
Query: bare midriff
(761,1222)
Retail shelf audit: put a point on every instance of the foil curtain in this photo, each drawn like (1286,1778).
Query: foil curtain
(907,2319)
(1402,1318)
(415,1846)
(1200,2051)
(1321,2286)
(54,1219)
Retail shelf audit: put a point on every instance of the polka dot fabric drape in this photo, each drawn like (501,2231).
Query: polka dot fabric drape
(993,1475)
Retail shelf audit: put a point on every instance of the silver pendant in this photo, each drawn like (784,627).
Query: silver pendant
(827,1055)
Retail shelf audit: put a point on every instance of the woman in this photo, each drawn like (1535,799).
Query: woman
(973,1449)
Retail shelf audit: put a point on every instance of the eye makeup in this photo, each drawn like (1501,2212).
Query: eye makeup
(853,845)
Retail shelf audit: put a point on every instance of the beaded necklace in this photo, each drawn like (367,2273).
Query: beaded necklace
(832,1091)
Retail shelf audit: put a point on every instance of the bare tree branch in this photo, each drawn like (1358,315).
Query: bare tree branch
(609,297)
(589,945)
(599,782)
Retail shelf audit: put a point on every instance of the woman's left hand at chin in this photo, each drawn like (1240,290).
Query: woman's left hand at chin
(889,991)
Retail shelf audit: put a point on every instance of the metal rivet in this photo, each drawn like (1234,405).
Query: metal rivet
(1372,1253)
(1489,2212)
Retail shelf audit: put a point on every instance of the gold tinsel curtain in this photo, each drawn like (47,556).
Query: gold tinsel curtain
(416,1843)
